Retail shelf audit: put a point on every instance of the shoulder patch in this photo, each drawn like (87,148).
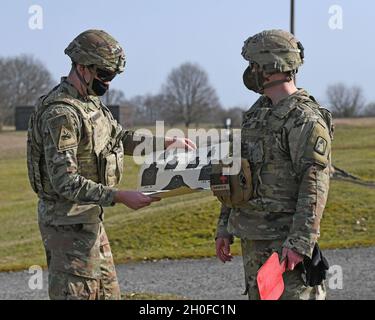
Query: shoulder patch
(318,146)
(321,145)
(62,132)
(67,138)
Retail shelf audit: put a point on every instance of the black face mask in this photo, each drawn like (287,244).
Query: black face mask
(254,80)
(94,86)
(99,87)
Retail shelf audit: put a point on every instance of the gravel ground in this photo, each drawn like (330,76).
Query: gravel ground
(210,279)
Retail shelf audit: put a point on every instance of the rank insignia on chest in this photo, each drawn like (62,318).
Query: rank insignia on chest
(320,145)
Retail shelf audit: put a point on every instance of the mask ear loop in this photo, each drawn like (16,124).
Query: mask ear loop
(257,80)
(87,85)
(258,76)
(261,79)
(93,73)
(84,84)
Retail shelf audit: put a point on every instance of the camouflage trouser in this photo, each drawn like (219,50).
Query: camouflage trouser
(80,262)
(255,253)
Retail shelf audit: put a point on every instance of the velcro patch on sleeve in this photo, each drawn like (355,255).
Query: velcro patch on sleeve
(318,146)
(321,145)
(67,138)
(62,132)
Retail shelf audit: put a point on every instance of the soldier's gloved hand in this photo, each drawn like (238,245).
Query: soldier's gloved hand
(134,199)
(292,258)
(179,143)
(223,249)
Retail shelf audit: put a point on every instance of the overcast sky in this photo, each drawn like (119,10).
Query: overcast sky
(159,35)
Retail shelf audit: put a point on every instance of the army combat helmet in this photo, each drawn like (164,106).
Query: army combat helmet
(98,48)
(101,54)
(273,51)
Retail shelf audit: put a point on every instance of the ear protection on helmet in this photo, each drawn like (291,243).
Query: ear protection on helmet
(302,49)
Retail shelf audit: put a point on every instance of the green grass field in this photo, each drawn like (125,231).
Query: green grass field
(184,226)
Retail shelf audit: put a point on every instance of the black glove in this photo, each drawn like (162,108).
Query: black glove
(314,269)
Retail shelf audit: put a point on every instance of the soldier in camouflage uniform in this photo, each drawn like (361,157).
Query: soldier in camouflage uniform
(75,153)
(286,136)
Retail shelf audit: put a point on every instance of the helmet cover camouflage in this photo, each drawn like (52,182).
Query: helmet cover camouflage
(96,47)
(274,51)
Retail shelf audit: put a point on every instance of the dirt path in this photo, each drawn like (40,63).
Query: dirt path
(209,279)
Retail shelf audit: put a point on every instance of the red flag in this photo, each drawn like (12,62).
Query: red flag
(270,278)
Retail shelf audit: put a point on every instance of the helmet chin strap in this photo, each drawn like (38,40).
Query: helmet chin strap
(87,85)
(272,83)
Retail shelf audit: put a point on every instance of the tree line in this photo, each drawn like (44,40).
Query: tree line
(23,79)
(186,97)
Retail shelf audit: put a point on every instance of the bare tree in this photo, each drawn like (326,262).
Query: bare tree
(345,101)
(188,94)
(23,79)
(153,107)
(235,114)
(147,108)
(369,110)
(114,97)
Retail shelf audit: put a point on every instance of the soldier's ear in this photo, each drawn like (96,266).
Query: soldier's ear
(81,69)
(85,72)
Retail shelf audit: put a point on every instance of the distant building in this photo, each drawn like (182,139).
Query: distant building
(21,117)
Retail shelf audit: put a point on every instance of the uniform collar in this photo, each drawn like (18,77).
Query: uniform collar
(289,103)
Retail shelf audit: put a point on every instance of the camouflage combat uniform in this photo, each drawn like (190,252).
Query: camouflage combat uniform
(288,146)
(75,158)
(75,153)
